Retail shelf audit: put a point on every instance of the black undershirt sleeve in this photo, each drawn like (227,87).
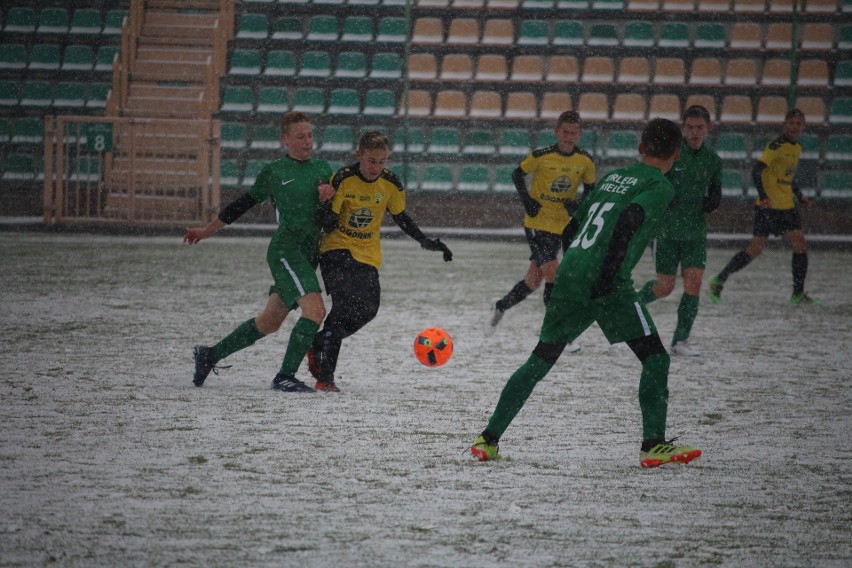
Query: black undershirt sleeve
(236,208)
(713,198)
(409,227)
(628,222)
(326,217)
(756,172)
(531,206)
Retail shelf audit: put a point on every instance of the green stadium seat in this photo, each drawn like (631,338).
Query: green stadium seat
(229,173)
(98,93)
(5,130)
(515,142)
(589,142)
(266,137)
(113,21)
(344,101)
(545,138)
(251,171)
(85,21)
(69,95)
(315,64)
(503,178)
(28,130)
(444,141)
(836,184)
(732,146)
(85,169)
(328,2)
(408,175)
(44,57)
(338,139)
(357,29)
(533,32)
(437,177)
(13,56)
(810,146)
(568,32)
(234,135)
(392,30)
(245,62)
(322,28)
(236,98)
(758,143)
(252,26)
(838,148)
(409,140)
(351,65)
(78,58)
(20,19)
(607,5)
(104,58)
(287,27)
(367,3)
(674,34)
(19,167)
(309,100)
(280,63)
(36,94)
(479,141)
(386,66)
(380,102)
(840,111)
(272,99)
(638,33)
(732,183)
(537,4)
(622,144)
(602,35)
(844,38)
(473,178)
(53,21)
(712,35)
(843,74)
(9,94)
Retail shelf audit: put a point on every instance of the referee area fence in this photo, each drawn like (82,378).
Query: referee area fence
(130,171)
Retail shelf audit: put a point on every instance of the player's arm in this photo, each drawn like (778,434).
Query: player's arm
(571,205)
(713,197)
(410,228)
(628,222)
(233,211)
(801,197)
(531,206)
(325,217)
(757,178)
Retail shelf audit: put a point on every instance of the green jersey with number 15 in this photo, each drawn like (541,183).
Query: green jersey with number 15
(581,265)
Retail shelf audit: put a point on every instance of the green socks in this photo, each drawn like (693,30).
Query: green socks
(300,341)
(515,394)
(654,396)
(646,294)
(245,335)
(687,311)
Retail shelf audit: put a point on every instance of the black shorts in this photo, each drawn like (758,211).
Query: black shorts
(346,278)
(544,246)
(775,221)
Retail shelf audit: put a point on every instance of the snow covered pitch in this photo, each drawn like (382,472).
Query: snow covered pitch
(109,456)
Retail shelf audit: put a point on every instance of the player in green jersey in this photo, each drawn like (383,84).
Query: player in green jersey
(296,184)
(557,172)
(682,237)
(605,240)
(775,211)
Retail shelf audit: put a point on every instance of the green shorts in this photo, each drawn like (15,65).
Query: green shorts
(668,254)
(293,274)
(620,315)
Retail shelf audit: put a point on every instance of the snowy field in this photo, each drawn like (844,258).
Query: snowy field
(110,457)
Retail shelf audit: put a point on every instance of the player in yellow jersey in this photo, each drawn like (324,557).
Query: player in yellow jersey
(557,172)
(774,175)
(350,252)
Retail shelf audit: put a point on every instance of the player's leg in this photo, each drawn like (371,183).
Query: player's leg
(796,237)
(694,259)
(763,222)
(548,272)
(297,284)
(245,335)
(666,259)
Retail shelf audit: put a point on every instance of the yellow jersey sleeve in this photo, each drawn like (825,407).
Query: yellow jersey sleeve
(782,159)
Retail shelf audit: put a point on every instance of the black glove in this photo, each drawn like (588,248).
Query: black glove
(571,206)
(436,244)
(531,206)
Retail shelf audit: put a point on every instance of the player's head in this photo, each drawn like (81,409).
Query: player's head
(794,124)
(373,151)
(569,128)
(696,126)
(297,135)
(661,139)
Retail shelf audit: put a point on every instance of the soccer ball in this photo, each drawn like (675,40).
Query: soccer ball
(433,347)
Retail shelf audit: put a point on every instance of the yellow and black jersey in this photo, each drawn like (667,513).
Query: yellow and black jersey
(781,157)
(556,176)
(360,206)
